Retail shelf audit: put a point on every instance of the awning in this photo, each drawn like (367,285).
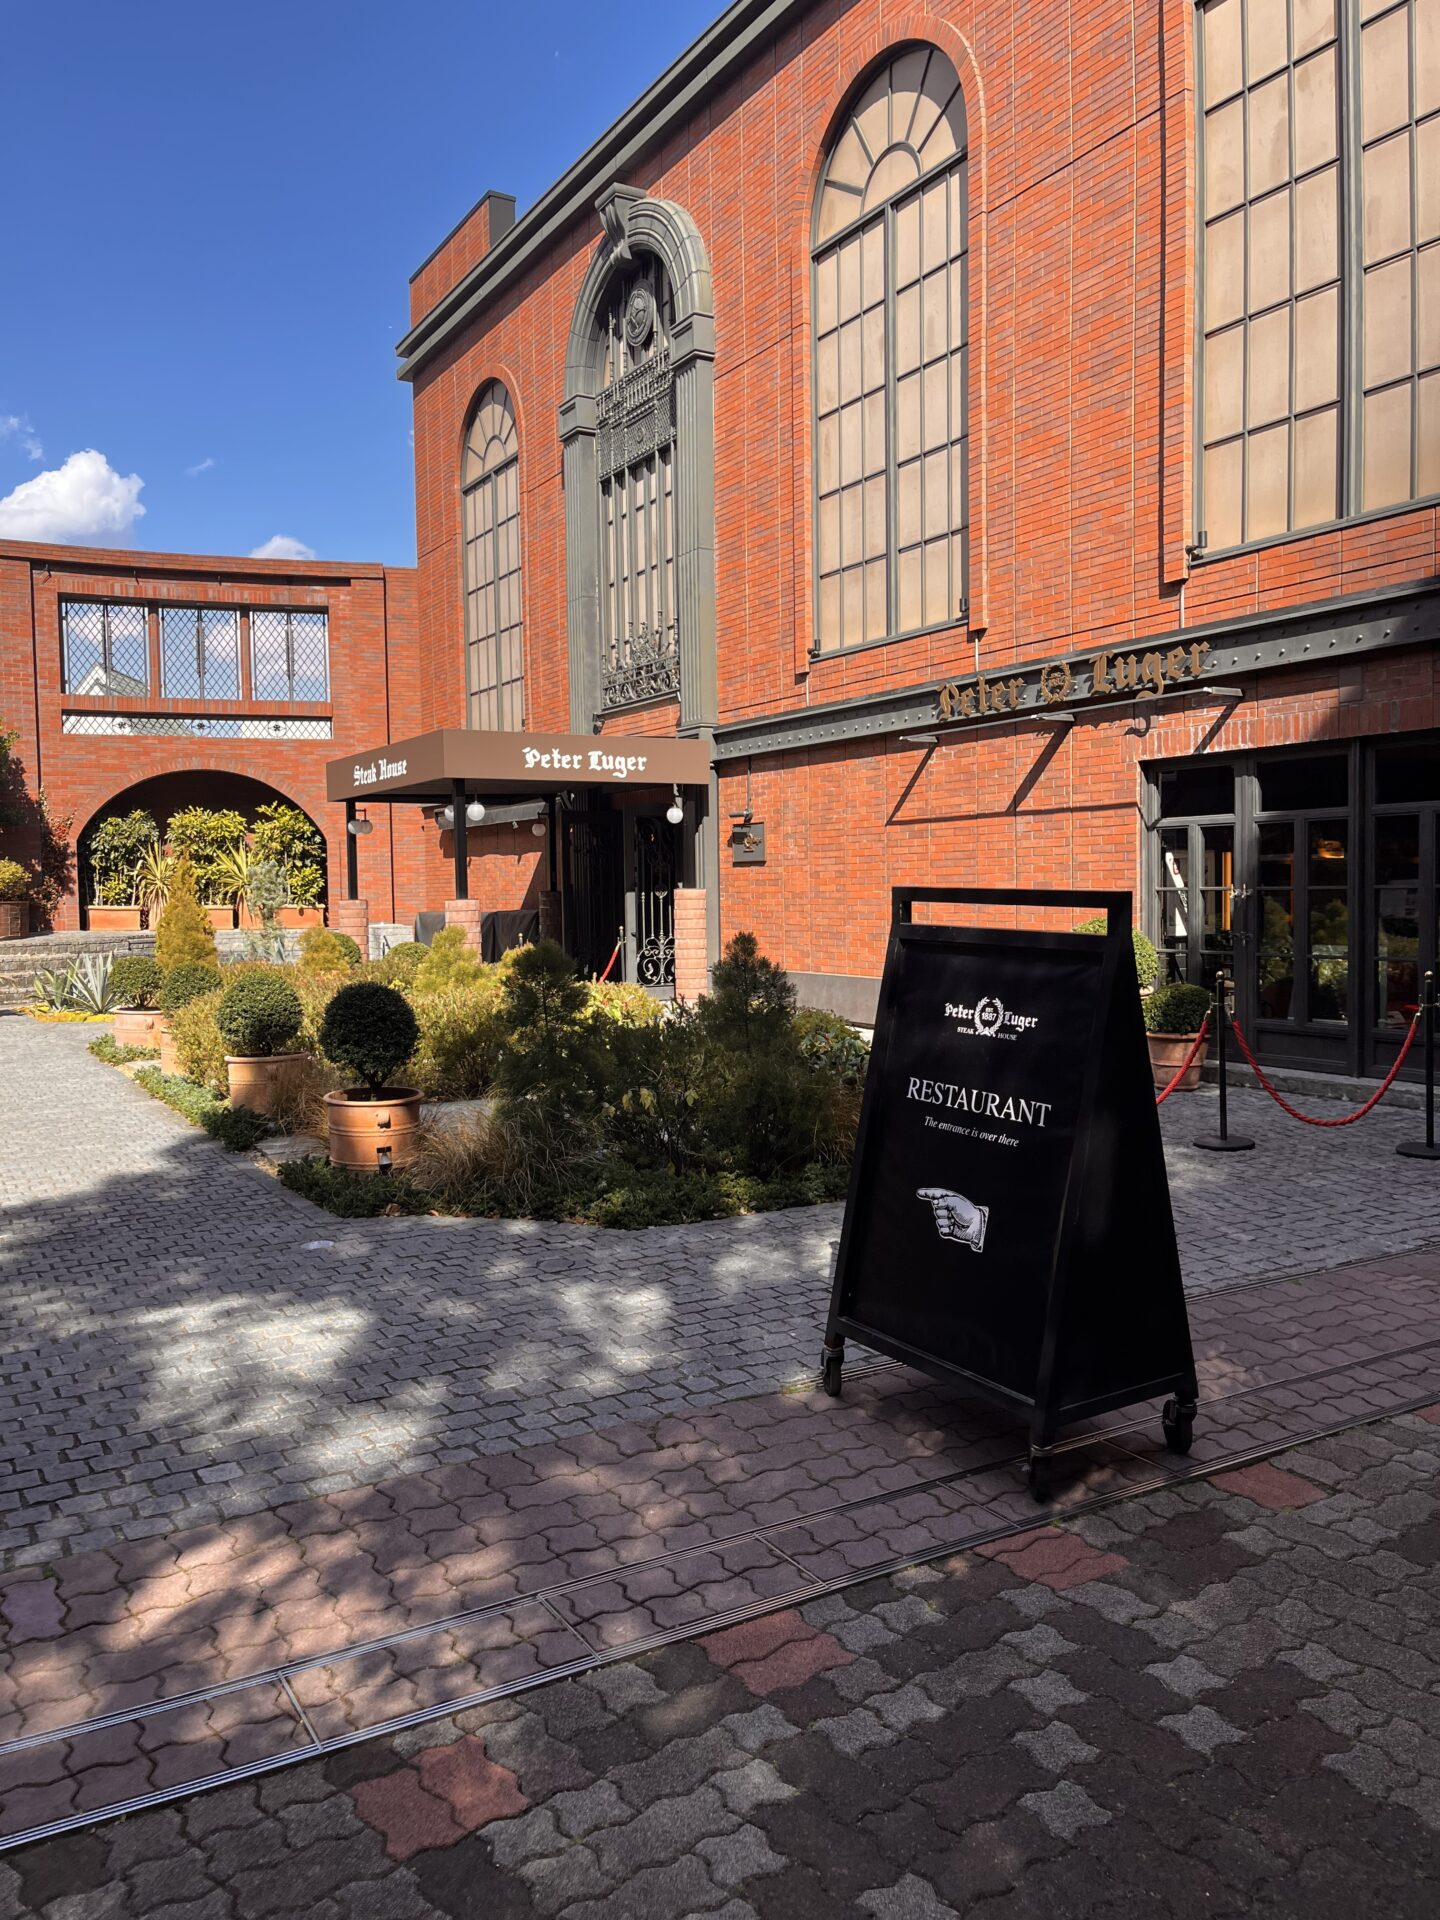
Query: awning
(430,766)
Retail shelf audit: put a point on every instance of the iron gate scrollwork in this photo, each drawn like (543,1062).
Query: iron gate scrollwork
(657,867)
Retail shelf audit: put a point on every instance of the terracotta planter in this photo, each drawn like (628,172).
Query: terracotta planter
(137,1027)
(300,916)
(169,1060)
(113,919)
(262,1082)
(369,1134)
(1167,1050)
(222,918)
(14,919)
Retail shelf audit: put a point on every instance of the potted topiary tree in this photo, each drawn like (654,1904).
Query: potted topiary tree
(1174,1015)
(371,1031)
(181,985)
(14,900)
(115,851)
(258,1019)
(135,981)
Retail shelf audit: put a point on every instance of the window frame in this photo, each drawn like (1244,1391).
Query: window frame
(1349,453)
(290,698)
(886,214)
(489,477)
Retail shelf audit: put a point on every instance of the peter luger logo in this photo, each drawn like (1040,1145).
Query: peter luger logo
(957,1218)
(990,1019)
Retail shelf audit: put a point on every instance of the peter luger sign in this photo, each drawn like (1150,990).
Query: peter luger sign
(1059,683)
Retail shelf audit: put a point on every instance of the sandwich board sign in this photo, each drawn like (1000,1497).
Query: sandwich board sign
(1008,1226)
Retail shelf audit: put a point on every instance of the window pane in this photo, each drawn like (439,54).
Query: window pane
(1204,789)
(1302,784)
(1276,967)
(1407,773)
(1397,917)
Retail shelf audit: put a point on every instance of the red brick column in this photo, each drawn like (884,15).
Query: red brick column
(466,914)
(691,967)
(352,917)
(549,915)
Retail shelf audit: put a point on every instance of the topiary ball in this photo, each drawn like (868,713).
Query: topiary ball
(186,983)
(259,1016)
(350,946)
(136,980)
(400,963)
(371,1030)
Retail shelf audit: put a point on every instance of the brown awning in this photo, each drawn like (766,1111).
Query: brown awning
(428,766)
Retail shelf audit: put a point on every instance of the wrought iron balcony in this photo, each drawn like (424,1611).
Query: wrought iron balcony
(642,666)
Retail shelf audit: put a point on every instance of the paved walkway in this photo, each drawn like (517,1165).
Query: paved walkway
(182,1340)
(1221,1698)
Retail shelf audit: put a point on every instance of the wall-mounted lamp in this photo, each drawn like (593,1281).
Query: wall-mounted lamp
(675,812)
(538,829)
(359,826)
(445,819)
(474,813)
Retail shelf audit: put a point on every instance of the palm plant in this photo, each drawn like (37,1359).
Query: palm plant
(152,879)
(231,871)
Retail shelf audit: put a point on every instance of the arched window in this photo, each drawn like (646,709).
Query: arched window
(890,320)
(494,633)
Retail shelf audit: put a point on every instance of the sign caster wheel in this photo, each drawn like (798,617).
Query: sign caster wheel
(1037,1473)
(830,1367)
(1177,1417)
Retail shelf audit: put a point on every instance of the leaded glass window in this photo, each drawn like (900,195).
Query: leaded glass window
(1320,392)
(890,330)
(200,653)
(494,622)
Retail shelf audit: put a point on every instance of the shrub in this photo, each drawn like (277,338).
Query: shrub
(1147,961)
(198,1046)
(323,951)
(831,1045)
(625,1003)
(136,980)
(353,1196)
(751,1007)
(14,881)
(553,1063)
(185,983)
(767,1116)
(207,835)
(115,849)
(371,1030)
(106,1049)
(184,937)
(234,1127)
(1178,1008)
(656,1112)
(286,837)
(399,966)
(450,962)
(259,1015)
(461,1035)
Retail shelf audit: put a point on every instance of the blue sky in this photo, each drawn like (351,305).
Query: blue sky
(210,216)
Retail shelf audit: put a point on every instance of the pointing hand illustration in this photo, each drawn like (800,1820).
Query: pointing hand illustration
(956,1218)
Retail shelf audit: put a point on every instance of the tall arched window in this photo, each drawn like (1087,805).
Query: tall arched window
(494,634)
(890,320)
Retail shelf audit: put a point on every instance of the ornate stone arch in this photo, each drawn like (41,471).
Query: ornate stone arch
(637,226)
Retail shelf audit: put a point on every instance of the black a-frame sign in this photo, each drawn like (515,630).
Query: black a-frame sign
(1008,1226)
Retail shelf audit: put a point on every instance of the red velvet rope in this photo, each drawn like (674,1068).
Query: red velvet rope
(1347,1119)
(611,961)
(1186,1063)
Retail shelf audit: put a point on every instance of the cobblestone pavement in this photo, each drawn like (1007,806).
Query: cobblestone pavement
(1221,1698)
(182,1340)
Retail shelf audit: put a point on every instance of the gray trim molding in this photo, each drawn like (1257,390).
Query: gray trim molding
(854,996)
(740,32)
(1337,630)
(635,224)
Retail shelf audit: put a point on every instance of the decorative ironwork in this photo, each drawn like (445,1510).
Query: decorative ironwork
(290,656)
(657,864)
(642,666)
(107,647)
(639,316)
(637,411)
(198,726)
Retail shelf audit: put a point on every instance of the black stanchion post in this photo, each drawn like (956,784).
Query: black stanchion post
(1426,1149)
(1224,1141)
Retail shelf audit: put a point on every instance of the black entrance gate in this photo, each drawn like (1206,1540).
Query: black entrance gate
(650,922)
(594,887)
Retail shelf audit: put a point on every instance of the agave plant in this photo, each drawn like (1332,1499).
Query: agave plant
(90,984)
(232,870)
(52,988)
(153,872)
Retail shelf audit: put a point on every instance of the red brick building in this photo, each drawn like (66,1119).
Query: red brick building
(1012,437)
(157,680)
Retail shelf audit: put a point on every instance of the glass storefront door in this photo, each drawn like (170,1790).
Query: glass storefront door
(1404,892)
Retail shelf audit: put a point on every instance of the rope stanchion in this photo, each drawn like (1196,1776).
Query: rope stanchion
(1345,1119)
(614,956)
(1224,1141)
(1186,1063)
(1426,1149)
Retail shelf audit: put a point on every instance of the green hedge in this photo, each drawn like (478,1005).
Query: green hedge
(234,1127)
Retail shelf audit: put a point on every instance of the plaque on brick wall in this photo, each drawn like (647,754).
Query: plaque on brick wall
(1008,1226)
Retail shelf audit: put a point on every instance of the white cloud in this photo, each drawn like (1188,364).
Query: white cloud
(201,466)
(15,426)
(85,499)
(281,546)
